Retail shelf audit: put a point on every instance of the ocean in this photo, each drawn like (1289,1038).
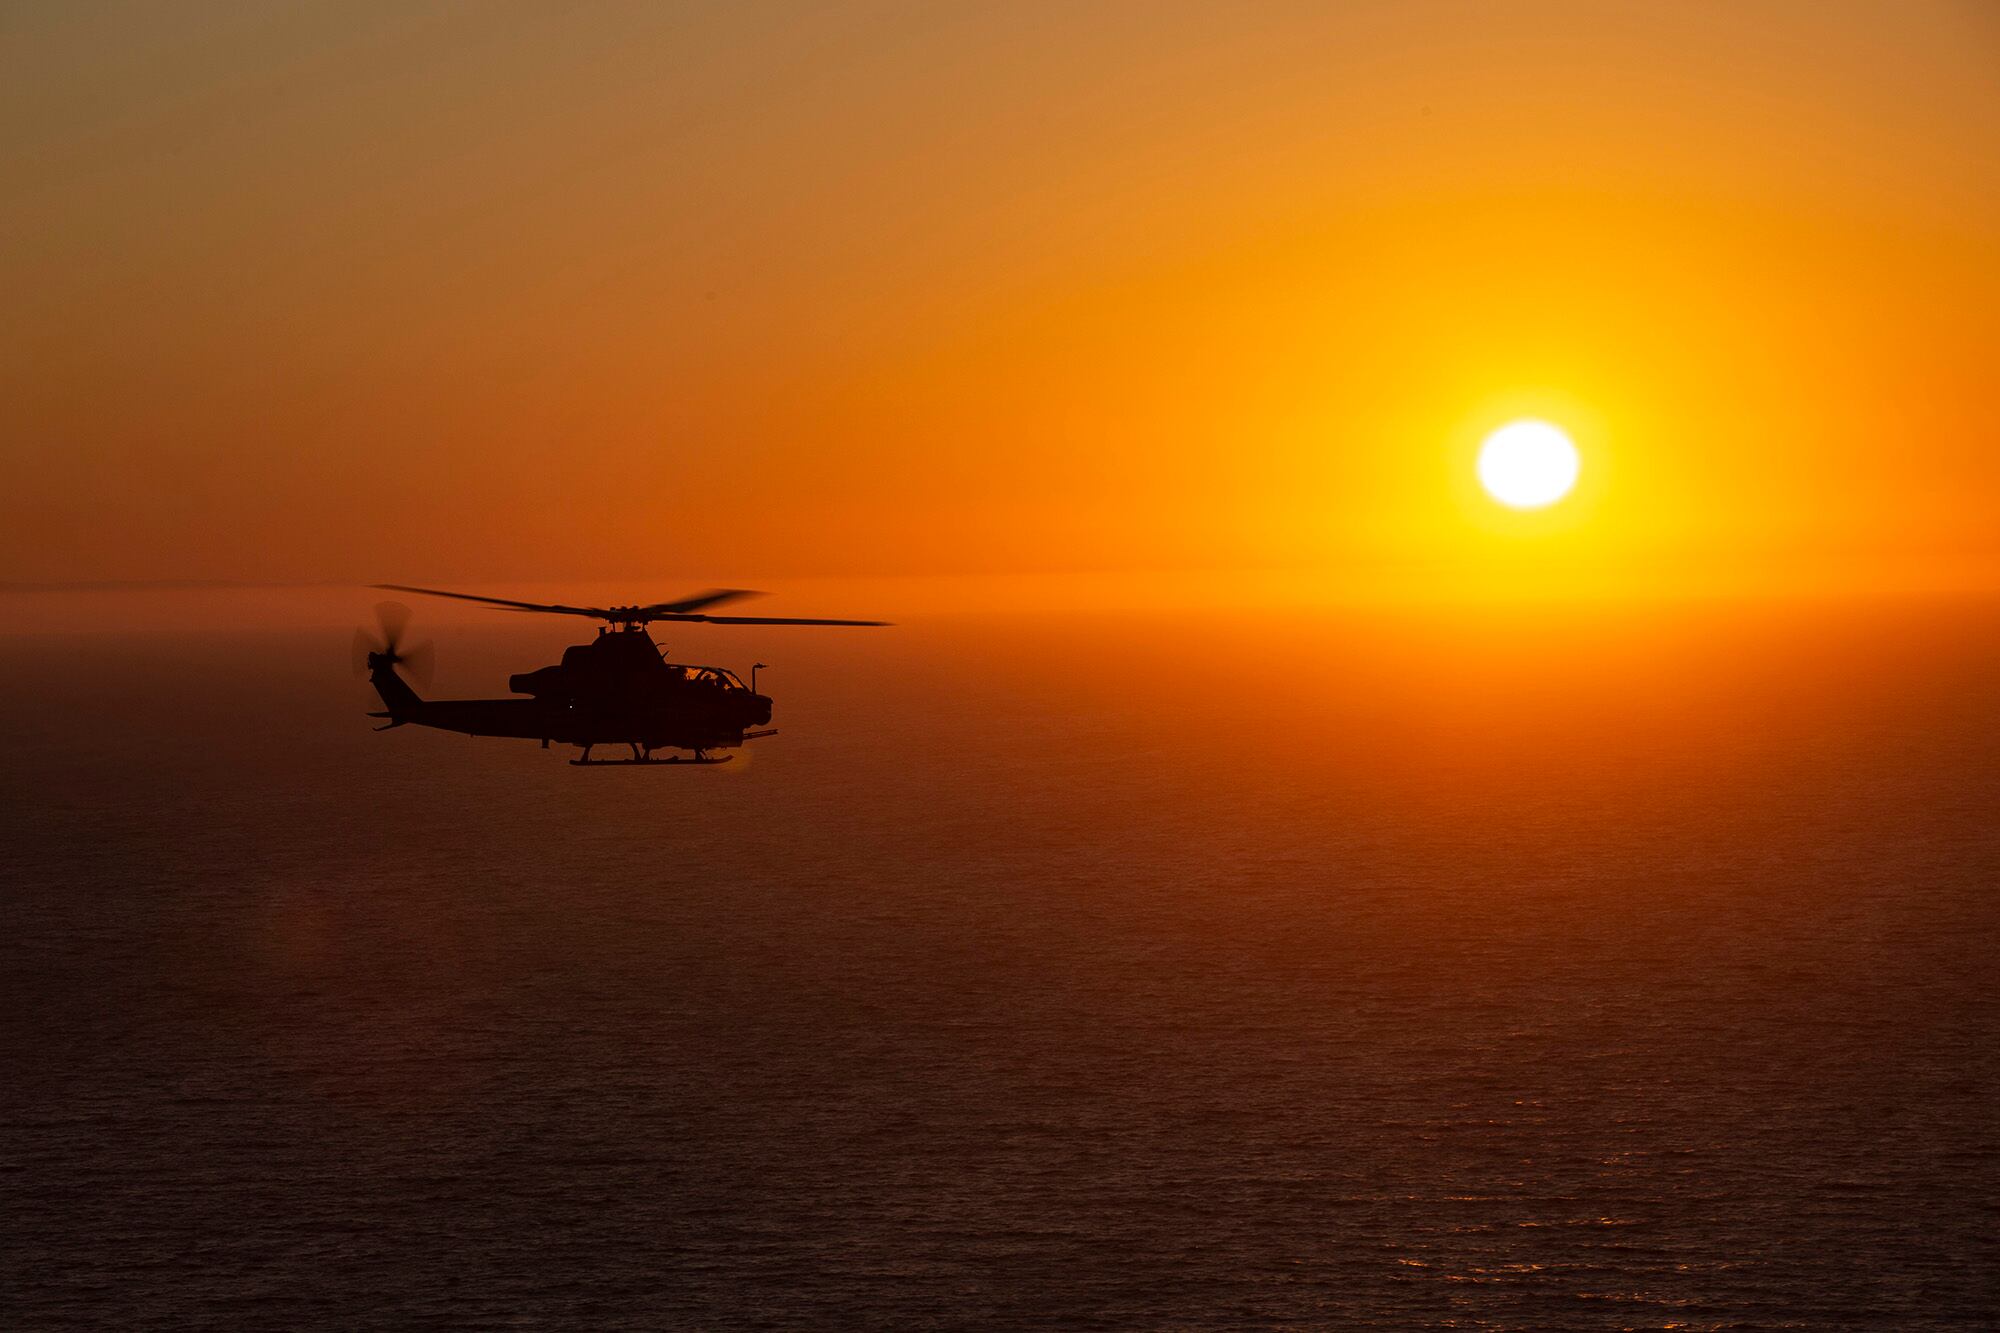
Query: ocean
(1520,969)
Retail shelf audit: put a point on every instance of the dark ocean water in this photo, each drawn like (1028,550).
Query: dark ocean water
(1527,972)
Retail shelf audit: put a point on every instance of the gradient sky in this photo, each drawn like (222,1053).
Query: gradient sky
(502,292)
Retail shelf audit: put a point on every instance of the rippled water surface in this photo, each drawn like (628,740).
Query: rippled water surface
(1364,972)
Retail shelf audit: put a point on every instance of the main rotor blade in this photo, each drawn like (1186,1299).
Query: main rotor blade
(768,620)
(683,610)
(596,613)
(698,601)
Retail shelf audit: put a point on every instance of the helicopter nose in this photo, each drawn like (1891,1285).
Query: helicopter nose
(760,708)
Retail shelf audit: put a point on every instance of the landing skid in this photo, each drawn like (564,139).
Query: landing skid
(643,758)
(650,763)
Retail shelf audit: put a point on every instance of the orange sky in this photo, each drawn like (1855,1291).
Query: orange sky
(509,292)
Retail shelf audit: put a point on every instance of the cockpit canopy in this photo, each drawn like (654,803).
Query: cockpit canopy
(715,678)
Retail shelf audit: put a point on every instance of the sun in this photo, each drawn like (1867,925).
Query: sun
(1528,464)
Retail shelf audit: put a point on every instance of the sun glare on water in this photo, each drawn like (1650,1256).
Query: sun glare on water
(1528,464)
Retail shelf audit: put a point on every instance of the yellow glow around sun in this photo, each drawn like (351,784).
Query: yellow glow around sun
(1528,464)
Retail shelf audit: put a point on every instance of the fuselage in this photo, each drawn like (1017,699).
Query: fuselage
(616,690)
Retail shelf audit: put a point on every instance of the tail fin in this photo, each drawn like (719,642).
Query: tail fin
(396,693)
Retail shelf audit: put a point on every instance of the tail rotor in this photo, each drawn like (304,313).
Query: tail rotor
(414,661)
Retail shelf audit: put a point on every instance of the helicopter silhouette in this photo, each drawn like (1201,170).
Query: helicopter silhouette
(618,689)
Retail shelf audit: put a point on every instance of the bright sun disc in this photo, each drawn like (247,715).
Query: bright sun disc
(1527,464)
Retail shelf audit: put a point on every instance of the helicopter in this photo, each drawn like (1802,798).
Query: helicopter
(618,689)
